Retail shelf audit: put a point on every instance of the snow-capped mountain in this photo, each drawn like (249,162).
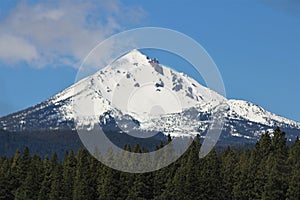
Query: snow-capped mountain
(138,91)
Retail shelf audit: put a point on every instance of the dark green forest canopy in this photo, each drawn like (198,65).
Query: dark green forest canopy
(270,170)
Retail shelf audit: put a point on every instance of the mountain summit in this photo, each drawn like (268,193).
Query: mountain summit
(153,96)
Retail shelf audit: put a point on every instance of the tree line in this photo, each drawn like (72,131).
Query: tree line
(270,170)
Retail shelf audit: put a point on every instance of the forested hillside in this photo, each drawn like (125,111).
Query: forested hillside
(270,170)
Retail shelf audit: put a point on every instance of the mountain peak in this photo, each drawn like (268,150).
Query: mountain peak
(157,97)
(128,61)
(134,51)
(134,56)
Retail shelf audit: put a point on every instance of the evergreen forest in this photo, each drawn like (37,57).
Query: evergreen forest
(270,170)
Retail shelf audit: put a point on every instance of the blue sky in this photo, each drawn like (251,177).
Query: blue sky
(255,44)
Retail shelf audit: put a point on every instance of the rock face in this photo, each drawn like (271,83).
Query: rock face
(161,99)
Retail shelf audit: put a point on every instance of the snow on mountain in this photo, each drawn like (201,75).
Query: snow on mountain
(148,82)
(159,98)
(257,114)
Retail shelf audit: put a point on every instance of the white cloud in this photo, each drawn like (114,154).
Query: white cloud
(59,33)
(15,49)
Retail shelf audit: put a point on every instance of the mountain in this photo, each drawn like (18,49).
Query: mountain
(120,94)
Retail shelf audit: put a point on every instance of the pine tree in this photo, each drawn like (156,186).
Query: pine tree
(210,181)
(108,184)
(27,175)
(191,187)
(108,188)
(17,172)
(243,184)
(293,191)
(5,193)
(257,165)
(276,168)
(5,187)
(69,172)
(125,184)
(229,163)
(56,191)
(174,187)
(30,187)
(94,168)
(27,191)
(81,188)
(163,182)
(141,188)
(142,185)
(162,179)
(47,177)
(270,170)
(126,179)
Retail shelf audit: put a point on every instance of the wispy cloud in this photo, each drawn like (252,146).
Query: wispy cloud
(60,33)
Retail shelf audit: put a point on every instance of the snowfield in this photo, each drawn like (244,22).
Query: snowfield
(159,98)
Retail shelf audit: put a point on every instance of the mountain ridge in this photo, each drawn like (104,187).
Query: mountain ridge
(186,114)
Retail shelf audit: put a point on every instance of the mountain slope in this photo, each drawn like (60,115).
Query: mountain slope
(153,96)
